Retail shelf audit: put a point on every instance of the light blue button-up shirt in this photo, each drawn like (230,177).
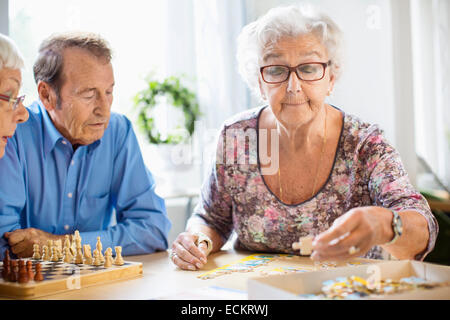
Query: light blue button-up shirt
(102,189)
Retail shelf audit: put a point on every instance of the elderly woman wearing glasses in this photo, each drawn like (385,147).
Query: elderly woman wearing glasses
(12,110)
(328,174)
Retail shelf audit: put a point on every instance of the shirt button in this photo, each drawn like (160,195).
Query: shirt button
(72,163)
(69,194)
(64,142)
(66,227)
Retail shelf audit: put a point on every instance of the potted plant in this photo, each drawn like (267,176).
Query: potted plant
(163,102)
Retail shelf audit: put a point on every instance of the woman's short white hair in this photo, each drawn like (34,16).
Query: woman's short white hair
(283,22)
(10,56)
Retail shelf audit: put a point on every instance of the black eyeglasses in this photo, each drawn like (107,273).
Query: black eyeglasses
(311,71)
(15,102)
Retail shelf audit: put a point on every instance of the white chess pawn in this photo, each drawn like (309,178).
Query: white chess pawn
(66,242)
(119,260)
(45,253)
(68,257)
(97,262)
(36,253)
(55,256)
(108,258)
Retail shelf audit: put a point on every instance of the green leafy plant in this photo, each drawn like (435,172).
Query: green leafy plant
(177,96)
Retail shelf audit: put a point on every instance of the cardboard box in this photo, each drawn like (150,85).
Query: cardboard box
(290,286)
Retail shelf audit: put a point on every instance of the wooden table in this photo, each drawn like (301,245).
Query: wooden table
(162,279)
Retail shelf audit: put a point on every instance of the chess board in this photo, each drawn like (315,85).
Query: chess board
(60,277)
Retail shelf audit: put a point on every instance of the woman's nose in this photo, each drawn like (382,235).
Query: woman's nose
(21,114)
(294,83)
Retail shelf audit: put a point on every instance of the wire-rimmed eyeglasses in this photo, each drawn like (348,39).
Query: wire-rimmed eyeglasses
(311,71)
(15,102)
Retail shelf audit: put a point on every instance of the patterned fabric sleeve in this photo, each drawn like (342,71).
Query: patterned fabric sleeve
(388,182)
(215,206)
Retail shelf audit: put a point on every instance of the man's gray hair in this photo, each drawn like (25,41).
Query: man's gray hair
(10,56)
(48,65)
(283,22)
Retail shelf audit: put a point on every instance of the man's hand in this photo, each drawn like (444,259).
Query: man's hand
(21,240)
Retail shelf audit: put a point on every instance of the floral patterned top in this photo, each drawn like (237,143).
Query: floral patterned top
(367,171)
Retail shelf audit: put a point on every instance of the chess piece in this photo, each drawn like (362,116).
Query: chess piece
(30,270)
(97,261)
(36,252)
(38,275)
(45,253)
(54,257)
(108,258)
(87,254)
(75,238)
(79,254)
(58,245)
(50,244)
(99,247)
(6,270)
(66,242)
(68,257)
(13,271)
(23,274)
(119,260)
(6,263)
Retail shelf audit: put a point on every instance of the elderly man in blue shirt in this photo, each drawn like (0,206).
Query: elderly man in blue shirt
(75,165)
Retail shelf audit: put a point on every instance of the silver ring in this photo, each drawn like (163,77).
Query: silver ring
(352,250)
(173,254)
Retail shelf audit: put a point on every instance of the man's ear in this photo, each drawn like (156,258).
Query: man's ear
(47,95)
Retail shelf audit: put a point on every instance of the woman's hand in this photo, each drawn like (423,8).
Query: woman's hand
(354,234)
(186,254)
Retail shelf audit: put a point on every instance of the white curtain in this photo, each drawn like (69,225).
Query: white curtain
(441,13)
(221,91)
(431,51)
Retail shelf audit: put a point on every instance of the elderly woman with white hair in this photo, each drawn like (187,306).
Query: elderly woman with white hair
(328,175)
(12,110)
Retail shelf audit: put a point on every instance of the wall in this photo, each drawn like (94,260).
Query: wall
(4,25)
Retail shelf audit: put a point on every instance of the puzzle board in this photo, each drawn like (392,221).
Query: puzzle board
(60,277)
(269,264)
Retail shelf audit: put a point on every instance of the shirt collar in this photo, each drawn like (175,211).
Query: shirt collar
(51,134)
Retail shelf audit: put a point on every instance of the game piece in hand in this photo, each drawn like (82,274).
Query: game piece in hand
(68,257)
(108,258)
(97,261)
(304,245)
(36,252)
(119,260)
(38,275)
(87,254)
(23,274)
(30,270)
